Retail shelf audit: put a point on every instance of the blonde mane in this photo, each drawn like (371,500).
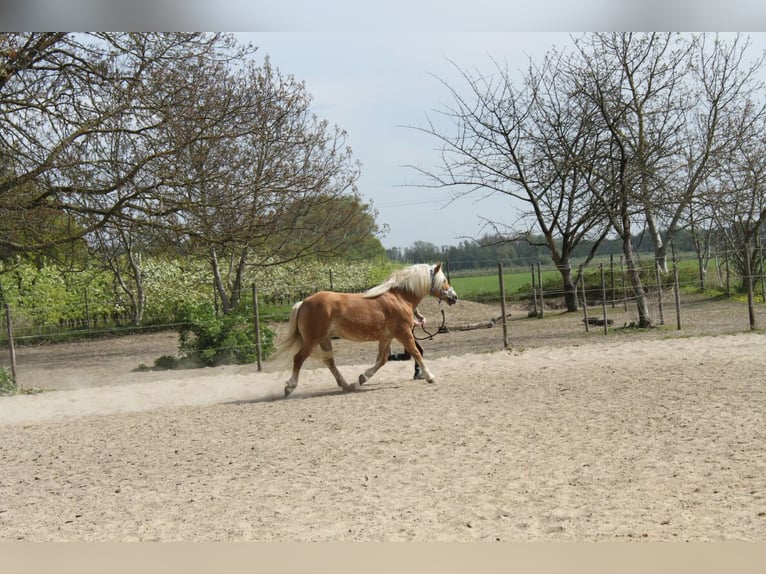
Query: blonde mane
(416,279)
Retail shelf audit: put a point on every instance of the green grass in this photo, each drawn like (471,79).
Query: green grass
(487,286)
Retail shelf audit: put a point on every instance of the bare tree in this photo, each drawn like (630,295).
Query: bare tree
(717,81)
(527,140)
(739,197)
(633,81)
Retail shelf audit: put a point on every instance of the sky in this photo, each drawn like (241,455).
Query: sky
(376,70)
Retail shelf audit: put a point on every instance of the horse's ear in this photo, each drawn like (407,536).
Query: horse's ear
(437,268)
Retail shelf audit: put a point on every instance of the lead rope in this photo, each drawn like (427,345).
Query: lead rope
(441,329)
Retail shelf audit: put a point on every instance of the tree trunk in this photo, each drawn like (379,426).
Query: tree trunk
(660,249)
(139,299)
(236,288)
(570,287)
(229,298)
(218,282)
(642,305)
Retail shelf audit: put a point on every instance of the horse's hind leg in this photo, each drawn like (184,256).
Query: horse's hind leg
(298,359)
(328,360)
(384,348)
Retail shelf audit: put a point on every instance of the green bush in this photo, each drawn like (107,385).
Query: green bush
(7,384)
(212,339)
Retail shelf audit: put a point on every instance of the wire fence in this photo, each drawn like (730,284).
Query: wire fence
(599,289)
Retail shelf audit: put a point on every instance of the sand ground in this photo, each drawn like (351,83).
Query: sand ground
(575,436)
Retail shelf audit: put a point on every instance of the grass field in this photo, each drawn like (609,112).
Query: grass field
(481,287)
(484,287)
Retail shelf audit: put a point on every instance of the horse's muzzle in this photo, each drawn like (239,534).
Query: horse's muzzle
(449,296)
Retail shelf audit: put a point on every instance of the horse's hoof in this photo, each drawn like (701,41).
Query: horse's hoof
(362,380)
(418,377)
(288,390)
(350,388)
(430,381)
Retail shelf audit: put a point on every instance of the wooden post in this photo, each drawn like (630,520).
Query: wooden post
(11,348)
(257,327)
(622,282)
(677,293)
(611,268)
(603,298)
(542,296)
(659,289)
(760,268)
(502,304)
(584,300)
(534,290)
(749,286)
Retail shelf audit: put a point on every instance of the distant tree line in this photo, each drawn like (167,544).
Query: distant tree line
(491,249)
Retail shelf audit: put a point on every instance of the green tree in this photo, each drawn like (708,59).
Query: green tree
(82,134)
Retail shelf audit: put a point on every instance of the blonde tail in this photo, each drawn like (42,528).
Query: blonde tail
(292,341)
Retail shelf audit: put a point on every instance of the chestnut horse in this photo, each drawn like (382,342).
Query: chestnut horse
(382,314)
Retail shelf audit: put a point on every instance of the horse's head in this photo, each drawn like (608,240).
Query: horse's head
(440,287)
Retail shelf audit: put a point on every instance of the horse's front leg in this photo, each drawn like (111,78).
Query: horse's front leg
(384,348)
(408,341)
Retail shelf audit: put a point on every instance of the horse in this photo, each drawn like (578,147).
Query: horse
(383,313)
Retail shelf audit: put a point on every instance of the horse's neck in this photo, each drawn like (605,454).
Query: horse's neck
(411,299)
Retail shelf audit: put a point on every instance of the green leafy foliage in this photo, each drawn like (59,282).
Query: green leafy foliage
(47,297)
(7,384)
(210,339)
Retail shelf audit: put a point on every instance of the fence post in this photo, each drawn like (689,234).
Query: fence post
(542,295)
(760,267)
(676,293)
(659,290)
(749,285)
(534,290)
(502,303)
(611,270)
(9,329)
(584,300)
(622,283)
(603,298)
(257,327)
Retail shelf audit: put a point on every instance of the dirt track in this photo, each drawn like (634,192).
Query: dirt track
(634,436)
(109,362)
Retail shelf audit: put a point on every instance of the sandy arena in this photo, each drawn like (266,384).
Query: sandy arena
(580,437)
